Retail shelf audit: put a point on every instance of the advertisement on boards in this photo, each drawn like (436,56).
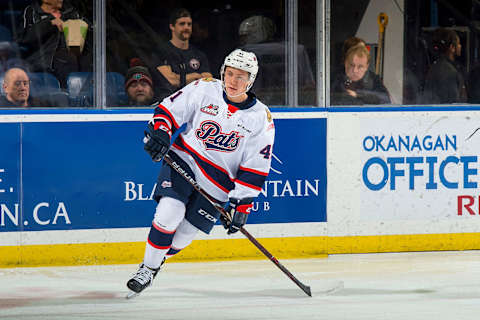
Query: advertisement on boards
(10,172)
(420,168)
(95,175)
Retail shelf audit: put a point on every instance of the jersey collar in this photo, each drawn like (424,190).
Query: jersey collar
(251,100)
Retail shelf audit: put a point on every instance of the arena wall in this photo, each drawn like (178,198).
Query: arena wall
(75,186)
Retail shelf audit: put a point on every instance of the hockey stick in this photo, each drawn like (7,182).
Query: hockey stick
(222,211)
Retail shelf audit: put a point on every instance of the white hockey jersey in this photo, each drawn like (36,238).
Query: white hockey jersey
(227,146)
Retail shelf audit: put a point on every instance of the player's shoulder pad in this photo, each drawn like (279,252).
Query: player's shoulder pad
(264,118)
(262,109)
(205,82)
(268,115)
(269,120)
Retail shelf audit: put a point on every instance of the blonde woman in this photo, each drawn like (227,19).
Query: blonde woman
(357,85)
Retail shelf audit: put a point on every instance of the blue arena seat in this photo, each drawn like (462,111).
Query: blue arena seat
(42,83)
(5,34)
(46,88)
(57,99)
(80,89)
(116,95)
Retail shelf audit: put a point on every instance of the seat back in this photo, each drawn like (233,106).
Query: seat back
(42,82)
(58,99)
(116,94)
(5,34)
(80,89)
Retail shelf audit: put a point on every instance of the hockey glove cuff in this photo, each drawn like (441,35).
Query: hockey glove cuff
(237,210)
(157,142)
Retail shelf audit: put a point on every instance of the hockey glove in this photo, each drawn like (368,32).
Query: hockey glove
(157,143)
(237,211)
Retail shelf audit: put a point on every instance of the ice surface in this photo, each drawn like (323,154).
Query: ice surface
(407,286)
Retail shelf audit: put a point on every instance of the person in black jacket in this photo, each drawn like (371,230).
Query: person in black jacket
(444,82)
(41,35)
(357,85)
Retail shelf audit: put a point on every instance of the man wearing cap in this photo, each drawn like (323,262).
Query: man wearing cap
(139,86)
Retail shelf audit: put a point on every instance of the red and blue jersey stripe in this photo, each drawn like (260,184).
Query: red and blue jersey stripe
(214,173)
(219,176)
(163,118)
(251,178)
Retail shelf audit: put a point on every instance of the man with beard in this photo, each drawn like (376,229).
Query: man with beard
(139,87)
(178,62)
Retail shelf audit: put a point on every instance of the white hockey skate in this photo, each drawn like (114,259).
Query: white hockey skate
(142,279)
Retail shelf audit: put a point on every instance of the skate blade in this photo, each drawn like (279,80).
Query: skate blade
(132,294)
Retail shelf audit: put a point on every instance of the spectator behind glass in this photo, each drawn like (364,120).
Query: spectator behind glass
(41,34)
(340,67)
(356,85)
(16,86)
(444,82)
(349,43)
(178,62)
(139,87)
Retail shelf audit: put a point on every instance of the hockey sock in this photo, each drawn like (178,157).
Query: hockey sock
(169,214)
(158,244)
(171,252)
(183,237)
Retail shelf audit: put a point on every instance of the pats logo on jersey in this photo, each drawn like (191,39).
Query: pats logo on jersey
(210,109)
(210,133)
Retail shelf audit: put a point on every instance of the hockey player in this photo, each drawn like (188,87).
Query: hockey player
(226,147)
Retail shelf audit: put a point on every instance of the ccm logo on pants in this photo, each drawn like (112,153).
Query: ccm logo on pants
(207,215)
